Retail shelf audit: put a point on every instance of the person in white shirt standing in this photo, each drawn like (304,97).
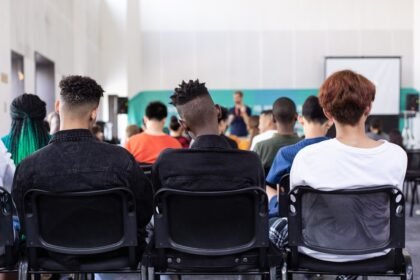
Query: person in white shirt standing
(352,159)
(266,126)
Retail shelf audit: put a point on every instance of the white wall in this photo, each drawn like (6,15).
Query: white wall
(267,44)
(65,31)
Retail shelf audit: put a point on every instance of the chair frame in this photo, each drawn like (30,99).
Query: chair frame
(157,260)
(35,241)
(403,265)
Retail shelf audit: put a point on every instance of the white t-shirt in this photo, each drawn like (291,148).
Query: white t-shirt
(332,165)
(7,168)
(262,137)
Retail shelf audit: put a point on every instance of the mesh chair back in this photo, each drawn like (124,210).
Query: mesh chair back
(6,220)
(347,222)
(80,223)
(211,223)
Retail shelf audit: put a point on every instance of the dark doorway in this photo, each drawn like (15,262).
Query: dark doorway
(17,75)
(45,80)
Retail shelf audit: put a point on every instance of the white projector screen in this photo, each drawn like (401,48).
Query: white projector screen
(384,72)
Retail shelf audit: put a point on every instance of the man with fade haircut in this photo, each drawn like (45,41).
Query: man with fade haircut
(147,146)
(210,164)
(267,128)
(284,116)
(74,160)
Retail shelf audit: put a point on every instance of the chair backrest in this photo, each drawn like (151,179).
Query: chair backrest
(282,197)
(7,238)
(413,160)
(346,222)
(80,223)
(147,169)
(211,223)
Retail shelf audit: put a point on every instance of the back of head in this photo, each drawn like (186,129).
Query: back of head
(312,110)
(174,125)
(284,111)
(132,130)
(156,111)
(224,114)
(195,107)
(28,132)
(79,96)
(346,95)
(376,123)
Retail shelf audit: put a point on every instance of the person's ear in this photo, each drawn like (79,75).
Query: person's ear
(93,115)
(301,119)
(218,111)
(57,106)
(367,110)
(328,115)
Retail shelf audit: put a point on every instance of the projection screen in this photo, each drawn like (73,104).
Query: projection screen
(384,72)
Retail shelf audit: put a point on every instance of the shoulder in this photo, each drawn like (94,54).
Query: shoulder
(395,150)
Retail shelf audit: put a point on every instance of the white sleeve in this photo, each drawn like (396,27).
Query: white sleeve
(297,172)
(7,169)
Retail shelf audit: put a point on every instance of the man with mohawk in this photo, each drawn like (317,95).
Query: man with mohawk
(210,164)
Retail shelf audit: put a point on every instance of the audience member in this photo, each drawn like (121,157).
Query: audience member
(375,130)
(238,116)
(210,163)
(351,160)
(53,119)
(7,168)
(396,138)
(253,129)
(223,126)
(98,133)
(284,115)
(267,128)
(315,126)
(28,132)
(131,130)
(75,160)
(176,131)
(147,146)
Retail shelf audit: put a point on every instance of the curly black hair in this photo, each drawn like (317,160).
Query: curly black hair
(188,91)
(78,90)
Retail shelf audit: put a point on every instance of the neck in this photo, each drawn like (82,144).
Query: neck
(67,124)
(285,129)
(354,135)
(205,131)
(155,128)
(314,130)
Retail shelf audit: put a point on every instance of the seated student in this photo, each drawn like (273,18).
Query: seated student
(351,160)
(177,132)
(375,130)
(146,146)
(315,127)
(223,126)
(210,163)
(284,115)
(28,132)
(75,160)
(266,126)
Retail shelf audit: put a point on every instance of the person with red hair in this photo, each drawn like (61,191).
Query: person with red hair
(349,161)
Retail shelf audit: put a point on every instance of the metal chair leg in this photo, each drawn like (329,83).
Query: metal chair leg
(23,270)
(143,273)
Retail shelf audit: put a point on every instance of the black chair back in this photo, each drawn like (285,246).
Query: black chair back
(413,160)
(7,237)
(211,223)
(147,169)
(80,223)
(346,222)
(283,196)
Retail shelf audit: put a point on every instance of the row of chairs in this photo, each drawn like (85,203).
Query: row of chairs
(208,233)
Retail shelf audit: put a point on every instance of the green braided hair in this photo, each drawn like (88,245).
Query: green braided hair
(28,133)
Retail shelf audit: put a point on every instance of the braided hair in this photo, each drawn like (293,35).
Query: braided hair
(28,132)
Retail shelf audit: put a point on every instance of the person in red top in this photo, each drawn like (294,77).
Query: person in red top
(146,146)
